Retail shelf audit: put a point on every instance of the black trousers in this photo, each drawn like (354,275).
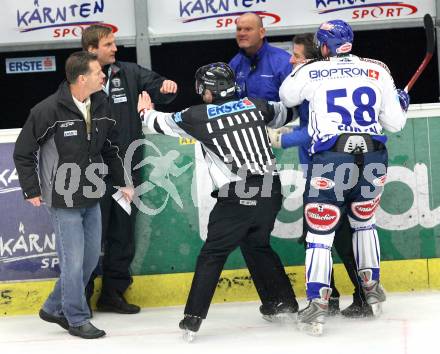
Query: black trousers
(344,248)
(245,223)
(118,245)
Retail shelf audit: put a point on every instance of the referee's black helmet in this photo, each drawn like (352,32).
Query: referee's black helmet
(218,78)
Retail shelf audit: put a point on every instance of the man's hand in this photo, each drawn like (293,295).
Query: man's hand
(128,193)
(168,86)
(35,201)
(144,102)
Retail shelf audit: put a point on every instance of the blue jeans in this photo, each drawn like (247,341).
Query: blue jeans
(78,244)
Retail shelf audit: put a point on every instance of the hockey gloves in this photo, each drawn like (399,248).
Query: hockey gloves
(275,136)
(403,99)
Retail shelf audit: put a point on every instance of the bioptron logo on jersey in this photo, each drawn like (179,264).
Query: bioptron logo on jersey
(223,13)
(340,72)
(66,19)
(366,9)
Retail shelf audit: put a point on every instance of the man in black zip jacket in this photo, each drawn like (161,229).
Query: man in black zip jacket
(124,82)
(59,157)
(242,166)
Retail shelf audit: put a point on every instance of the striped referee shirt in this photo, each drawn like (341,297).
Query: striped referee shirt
(232,134)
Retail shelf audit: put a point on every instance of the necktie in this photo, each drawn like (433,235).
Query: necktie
(107,71)
(88,120)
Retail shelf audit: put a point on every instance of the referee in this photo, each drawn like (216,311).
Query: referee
(247,187)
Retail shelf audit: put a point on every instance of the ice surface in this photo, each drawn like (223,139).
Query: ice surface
(409,325)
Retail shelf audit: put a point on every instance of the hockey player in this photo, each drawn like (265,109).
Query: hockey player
(303,50)
(351,100)
(241,164)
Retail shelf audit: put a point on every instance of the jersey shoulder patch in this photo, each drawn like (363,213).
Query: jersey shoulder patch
(377,62)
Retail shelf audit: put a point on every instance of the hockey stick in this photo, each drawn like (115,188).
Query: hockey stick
(430,38)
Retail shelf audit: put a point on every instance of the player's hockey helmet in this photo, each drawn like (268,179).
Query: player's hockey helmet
(218,78)
(337,35)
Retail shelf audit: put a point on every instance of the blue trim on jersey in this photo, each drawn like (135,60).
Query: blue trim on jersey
(382,138)
(324,146)
(300,136)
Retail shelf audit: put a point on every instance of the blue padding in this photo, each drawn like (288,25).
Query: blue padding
(376,274)
(365,228)
(313,290)
(318,245)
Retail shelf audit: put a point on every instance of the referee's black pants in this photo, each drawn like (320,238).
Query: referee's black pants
(245,223)
(344,247)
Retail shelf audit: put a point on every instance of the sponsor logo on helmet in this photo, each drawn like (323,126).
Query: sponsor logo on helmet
(229,108)
(321,217)
(345,48)
(380,182)
(327,26)
(365,210)
(322,183)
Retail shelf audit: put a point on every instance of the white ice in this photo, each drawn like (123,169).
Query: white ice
(409,325)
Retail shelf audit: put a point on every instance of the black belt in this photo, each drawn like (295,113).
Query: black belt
(357,144)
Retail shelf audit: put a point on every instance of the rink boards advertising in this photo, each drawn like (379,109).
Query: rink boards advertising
(51,21)
(175,204)
(185,17)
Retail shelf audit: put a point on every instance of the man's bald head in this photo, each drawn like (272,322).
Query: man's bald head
(251,16)
(250,33)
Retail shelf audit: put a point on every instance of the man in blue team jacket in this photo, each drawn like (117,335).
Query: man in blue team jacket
(259,67)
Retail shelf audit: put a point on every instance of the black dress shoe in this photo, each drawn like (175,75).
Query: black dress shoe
(273,309)
(116,304)
(86,331)
(333,306)
(61,321)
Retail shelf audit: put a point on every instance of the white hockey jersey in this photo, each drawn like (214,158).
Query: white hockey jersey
(346,95)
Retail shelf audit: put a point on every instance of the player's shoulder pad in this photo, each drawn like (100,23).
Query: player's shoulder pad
(377,62)
(301,66)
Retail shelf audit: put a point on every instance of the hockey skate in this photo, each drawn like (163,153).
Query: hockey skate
(190,325)
(311,319)
(280,312)
(357,310)
(373,291)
